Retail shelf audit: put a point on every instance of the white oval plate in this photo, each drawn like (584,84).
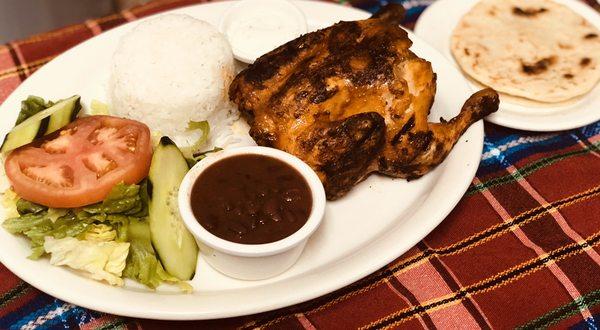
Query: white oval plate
(435,26)
(375,223)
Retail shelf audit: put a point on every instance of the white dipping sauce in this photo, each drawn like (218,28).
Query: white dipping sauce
(261,32)
(256,27)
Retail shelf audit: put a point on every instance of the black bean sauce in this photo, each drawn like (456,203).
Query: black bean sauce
(251,199)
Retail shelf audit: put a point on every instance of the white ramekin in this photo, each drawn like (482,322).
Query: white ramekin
(252,261)
(295,17)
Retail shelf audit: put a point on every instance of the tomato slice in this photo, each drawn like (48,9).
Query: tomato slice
(81,163)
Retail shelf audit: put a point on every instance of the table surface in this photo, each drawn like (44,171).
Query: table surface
(521,249)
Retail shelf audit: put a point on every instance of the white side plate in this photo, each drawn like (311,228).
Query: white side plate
(436,25)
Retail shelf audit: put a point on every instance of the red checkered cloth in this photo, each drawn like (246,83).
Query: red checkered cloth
(519,250)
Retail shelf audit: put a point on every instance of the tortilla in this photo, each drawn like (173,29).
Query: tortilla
(529,103)
(535,49)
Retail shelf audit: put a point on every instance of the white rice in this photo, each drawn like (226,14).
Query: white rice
(171,70)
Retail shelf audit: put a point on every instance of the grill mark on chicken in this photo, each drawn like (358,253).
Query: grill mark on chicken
(342,51)
(410,123)
(361,137)
(420,140)
(350,100)
(267,68)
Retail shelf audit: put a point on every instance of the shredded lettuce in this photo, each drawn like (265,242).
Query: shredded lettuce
(103,261)
(201,155)
(204,127)
(125,202)
(105,241)
(201,125)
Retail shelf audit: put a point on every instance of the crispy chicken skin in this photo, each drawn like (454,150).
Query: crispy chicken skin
(352,99)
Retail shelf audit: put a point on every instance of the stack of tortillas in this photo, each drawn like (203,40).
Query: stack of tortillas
(536,49)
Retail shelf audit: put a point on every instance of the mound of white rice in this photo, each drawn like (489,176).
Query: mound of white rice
(171,70)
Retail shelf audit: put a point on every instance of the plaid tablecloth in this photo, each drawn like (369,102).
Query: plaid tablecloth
(521,249)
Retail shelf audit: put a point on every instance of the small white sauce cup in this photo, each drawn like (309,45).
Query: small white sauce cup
(252,261)
(294,20)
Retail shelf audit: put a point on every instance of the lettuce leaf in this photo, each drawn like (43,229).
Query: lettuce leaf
(26,207)
(100,233)
(31,106)
(122,200)
(54,214)
(90,239)
(25,223)
(36,226)
(142,262)
(103,261)
(124,203)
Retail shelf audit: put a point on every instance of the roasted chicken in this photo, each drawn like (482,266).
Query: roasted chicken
(352,99)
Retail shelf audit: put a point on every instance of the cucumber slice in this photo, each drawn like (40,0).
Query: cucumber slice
(175,245)
(42,123)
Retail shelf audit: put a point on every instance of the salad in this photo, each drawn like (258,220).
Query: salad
(95,194)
